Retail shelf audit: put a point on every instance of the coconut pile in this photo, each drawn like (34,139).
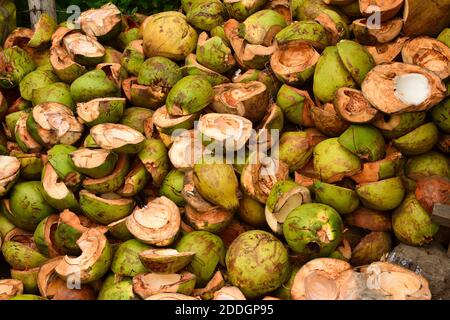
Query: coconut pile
(138,158)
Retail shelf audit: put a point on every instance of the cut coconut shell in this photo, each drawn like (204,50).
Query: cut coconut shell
(101,110)
(353,107)
(192,196)
(94,261)
(387,52)
(167,123)
(104,23)
(432,190)
(249,100)
(396,283)
(425,17)
(157,223)
(171,296)
(117,137)
(214,220)
(10,170)
(186,150)
(230,132)
(165,260)
(327,120)
(96,163)
(369,219)
(10,288)
(83,49)
(229,293)
(261,174)
(319,280)
(216,283)
(386,32)
(146,285)
(398,87)
(387,8)
(428,53)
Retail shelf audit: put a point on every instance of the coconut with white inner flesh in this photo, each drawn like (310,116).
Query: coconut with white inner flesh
(55,191)
(165,260)
(399,87)
(118,137)
(228,131)
(146,285)
(104,22)
(9,173)
(95,163)
(157,223)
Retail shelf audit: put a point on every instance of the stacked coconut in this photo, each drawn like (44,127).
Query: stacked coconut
(112,182)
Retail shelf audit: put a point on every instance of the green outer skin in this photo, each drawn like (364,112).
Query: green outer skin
(126,260)
(28,205)
(427,165)
(21,257)
(207,14)
(106,168)
(21,64)
(218,184)
(219,31)
(27,297)
(3,145)
(343,200)
(12,119)
(371,248)
(110,112)
(303,224)
(383,195)
(68,202)
(43,34)
(418,141)
(330,159)
(294,149)
(191,94)
(209,252)
(138,178)
(280,188)
(59,158)
(284,292)
(134,117)
(101,267)
(441,115)
(93,84)
(351,10)
(187,4)
(5,225)
(132,60)
(174,39)
(304,31)
(35,80)
(33,130)
(214,55)
(255,28)
(159,71)
(240,12)
(120,231)
(166,264)
(112,55)
(330,75)
(252,212)
(70,73)
(16,221)
(113,289)
(65,238)
(155,158)
(28,278)
(55,92)
(341,22)
(365,141)
(444,37)
(257,263)
(172,185)
(408,122)
(114,182)
(412,224)
(39,237)
(125,37)
(193,68)
(101,211)
(89,142)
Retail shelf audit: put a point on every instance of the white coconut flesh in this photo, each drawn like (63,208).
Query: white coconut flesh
(156,223)
(234,131)
(92,243)
(90,111)
(112,136)
(89,158)
(9,169)
(80,44)
(55,190)
(412,89)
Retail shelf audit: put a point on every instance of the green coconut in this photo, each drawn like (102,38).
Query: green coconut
(126,260)
(344,200)
(382,195)
(365,141)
